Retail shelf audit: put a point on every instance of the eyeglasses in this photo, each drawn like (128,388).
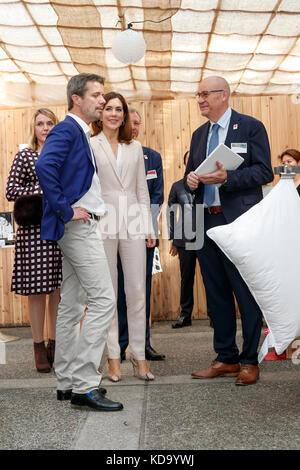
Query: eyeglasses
(205,94)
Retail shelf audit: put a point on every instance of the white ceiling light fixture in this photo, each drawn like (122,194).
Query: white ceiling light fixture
(129,46)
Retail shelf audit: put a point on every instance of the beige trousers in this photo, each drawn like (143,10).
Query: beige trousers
(86,278)
(133,258)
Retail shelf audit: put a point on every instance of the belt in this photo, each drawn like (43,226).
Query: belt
(94,216)
(214,209)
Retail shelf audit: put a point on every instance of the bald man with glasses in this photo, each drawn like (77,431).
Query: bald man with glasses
(226,195)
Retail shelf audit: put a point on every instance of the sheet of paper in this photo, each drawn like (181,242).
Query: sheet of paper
(229,159)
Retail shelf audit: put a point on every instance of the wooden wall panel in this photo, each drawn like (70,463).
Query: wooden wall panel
(167,127)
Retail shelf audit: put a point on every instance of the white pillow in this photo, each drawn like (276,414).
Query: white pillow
(264,245)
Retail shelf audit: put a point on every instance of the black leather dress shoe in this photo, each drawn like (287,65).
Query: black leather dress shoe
(152,355)
(67,394)
(182,322)
(64,394)
(94,400)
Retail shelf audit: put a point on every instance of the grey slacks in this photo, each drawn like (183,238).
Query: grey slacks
(86,279)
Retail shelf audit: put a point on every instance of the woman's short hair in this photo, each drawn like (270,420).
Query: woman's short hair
(33,143)
(125,130)
(292,153)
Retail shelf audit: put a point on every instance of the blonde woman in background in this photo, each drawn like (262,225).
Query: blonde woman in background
(37,264)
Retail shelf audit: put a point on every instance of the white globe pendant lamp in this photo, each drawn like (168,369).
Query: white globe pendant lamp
(129,46)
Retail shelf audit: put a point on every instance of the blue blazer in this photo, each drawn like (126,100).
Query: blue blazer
(243,188)
(65,172)
(155,185)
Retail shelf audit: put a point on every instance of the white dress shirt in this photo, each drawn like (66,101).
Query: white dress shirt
(92,200)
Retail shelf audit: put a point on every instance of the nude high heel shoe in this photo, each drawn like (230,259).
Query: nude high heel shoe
(147,376)
(113,377)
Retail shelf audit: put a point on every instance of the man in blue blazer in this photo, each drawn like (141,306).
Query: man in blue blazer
(236,192)
(154,176)
(73,206)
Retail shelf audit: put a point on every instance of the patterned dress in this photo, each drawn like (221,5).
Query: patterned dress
(38,263)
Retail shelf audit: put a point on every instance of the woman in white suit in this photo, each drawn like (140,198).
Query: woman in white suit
(127,227)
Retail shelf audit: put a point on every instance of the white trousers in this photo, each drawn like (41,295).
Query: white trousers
(133,258)
(86,278)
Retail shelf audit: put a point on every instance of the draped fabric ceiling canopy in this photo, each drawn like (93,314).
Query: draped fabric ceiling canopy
(254,44)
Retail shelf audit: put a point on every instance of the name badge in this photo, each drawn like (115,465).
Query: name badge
(239,147)
(151,174)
